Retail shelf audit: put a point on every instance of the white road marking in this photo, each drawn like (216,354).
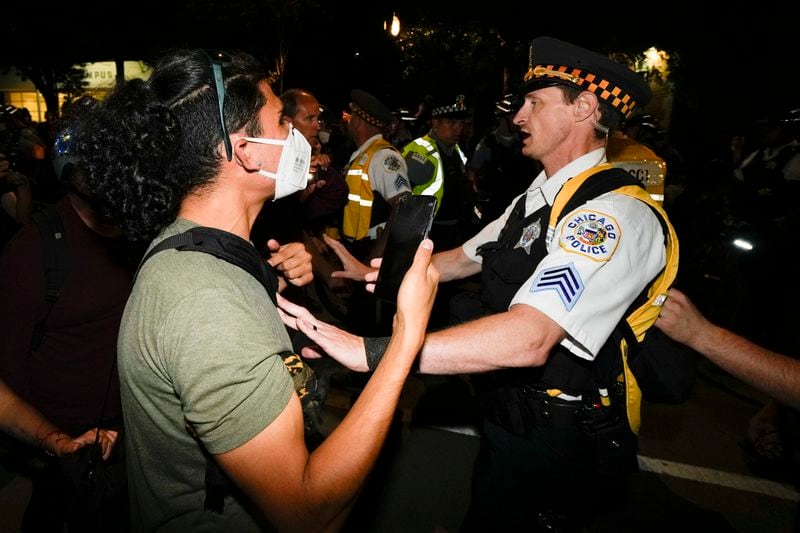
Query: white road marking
(700,474)
(718,477)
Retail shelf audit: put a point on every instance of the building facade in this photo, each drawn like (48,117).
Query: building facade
(100,77)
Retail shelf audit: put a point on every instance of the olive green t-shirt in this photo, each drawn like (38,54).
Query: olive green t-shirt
(198,361)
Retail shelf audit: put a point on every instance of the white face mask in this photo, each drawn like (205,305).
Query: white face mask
(292,174)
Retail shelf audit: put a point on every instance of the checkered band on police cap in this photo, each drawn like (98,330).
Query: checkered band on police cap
(370,109)
(455,108)
(554,62)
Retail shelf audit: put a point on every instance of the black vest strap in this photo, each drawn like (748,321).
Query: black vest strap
(54,253)
(597,184)
(225,246)
(54,248)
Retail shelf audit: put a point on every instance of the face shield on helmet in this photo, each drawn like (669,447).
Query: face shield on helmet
(508,105)
(65,160)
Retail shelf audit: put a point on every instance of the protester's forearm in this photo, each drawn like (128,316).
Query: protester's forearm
(775,374)
(340,465)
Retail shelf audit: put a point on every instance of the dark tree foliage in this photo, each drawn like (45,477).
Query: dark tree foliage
(332,47)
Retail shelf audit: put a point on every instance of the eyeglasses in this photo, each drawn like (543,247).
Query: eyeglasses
(219,85)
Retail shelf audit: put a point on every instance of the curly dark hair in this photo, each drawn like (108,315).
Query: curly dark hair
(151,143)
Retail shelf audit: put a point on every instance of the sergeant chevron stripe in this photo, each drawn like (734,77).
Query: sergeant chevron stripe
(565,280)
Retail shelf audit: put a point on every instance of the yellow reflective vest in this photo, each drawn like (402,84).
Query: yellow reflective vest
(639,161)
(643,317)
(358,211)
(426,146)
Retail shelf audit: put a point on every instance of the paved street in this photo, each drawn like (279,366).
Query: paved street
(693,473)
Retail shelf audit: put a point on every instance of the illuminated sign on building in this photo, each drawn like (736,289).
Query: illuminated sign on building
(100,78)
(103,74)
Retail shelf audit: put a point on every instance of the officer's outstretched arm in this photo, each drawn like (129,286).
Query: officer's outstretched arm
(520,337)
(455,264)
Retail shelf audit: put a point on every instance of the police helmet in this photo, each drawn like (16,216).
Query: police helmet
(64,159)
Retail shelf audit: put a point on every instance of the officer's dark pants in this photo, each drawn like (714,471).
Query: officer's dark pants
(543,481)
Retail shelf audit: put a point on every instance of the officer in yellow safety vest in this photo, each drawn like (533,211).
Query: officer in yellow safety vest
(640,162)
(376,175)
(437,164)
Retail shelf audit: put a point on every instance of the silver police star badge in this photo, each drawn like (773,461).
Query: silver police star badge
(529,234)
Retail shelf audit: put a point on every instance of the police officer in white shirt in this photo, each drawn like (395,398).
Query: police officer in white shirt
(556,446)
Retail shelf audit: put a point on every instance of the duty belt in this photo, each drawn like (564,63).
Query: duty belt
(519,409)
(547,410)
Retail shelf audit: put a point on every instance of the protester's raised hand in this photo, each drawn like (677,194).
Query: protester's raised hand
(292,260)
(679,318)
(344,347)
(417,292)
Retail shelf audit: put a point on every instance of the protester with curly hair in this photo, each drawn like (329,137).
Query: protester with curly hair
(202,142)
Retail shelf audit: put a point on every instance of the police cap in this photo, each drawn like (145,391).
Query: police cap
(370,109)
(454,107)
(555,62)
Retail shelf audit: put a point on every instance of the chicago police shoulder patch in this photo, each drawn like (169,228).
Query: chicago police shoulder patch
(591,234)
(391,163)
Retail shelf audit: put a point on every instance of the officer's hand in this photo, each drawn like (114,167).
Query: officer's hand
(353,268)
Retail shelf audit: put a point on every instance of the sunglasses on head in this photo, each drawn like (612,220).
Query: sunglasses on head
(219,60)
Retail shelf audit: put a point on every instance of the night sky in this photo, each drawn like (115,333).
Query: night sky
(734,63)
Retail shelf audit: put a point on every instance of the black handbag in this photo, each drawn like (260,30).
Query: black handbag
(95,481)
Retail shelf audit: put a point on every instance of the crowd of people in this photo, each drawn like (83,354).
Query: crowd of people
(183,370)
